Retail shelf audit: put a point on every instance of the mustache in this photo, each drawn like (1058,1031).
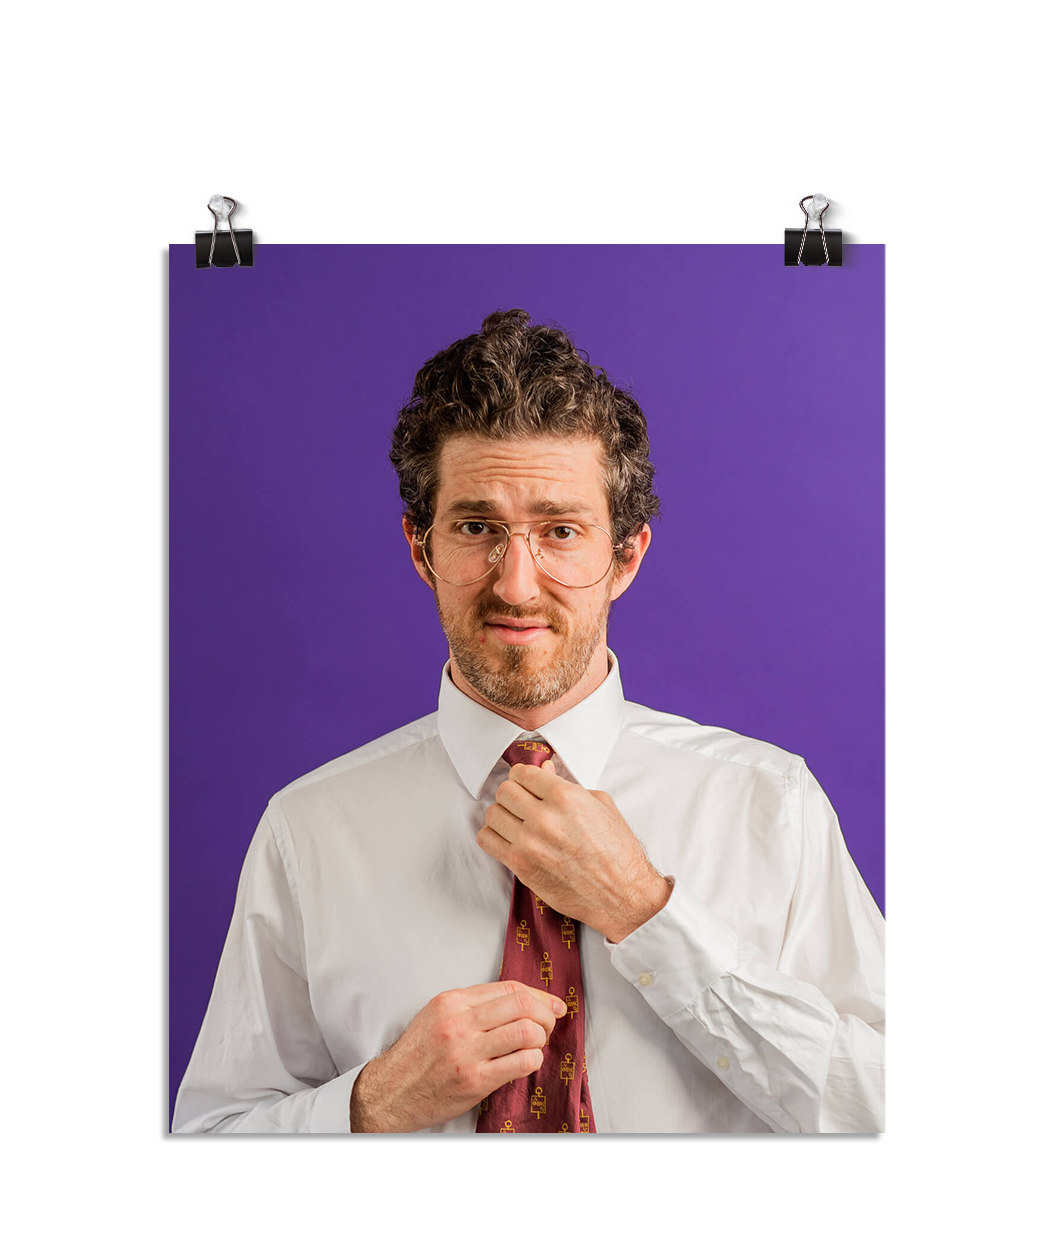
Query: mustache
(492,608)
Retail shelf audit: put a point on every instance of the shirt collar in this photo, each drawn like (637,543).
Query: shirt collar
(475,737)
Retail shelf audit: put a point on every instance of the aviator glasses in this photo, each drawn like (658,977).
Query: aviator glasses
(569,552)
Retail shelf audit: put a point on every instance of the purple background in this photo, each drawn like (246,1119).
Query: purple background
(298,629)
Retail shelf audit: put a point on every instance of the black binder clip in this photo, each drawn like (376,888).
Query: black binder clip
(813,246)
(234,250)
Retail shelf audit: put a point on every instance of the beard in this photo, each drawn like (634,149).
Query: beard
(516,682)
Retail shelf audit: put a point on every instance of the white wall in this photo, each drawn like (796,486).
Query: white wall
(483,122)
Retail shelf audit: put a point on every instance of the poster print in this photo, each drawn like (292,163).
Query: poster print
(299,629)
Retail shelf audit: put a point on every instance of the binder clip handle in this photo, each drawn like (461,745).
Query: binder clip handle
(222,209)
(819,206)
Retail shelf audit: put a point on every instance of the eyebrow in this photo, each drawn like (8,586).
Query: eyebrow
(545,509)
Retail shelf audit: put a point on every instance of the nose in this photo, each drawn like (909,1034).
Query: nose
(516,579)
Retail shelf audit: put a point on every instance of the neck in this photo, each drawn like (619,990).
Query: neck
(534,719)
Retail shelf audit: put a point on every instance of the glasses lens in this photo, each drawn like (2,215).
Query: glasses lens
(462,552)
(576,555)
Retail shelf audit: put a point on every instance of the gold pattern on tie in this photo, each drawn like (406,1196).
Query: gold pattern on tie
(572,1002)
(541,950)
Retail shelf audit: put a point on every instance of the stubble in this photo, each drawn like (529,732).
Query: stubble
(518,682)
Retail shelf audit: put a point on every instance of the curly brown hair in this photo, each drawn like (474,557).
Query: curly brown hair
(517,380)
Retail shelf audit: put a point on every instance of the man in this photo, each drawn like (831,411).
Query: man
(682,940)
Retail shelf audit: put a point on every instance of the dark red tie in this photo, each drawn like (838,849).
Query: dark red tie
(541,950)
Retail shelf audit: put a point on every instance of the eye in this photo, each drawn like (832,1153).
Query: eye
(473,529)
(564,533)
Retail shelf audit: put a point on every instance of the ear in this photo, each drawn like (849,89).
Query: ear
(638,545)
(416,551)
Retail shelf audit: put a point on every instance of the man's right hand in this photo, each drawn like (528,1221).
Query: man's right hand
(463,1045)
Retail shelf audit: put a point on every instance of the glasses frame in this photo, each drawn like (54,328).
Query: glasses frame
(525,536)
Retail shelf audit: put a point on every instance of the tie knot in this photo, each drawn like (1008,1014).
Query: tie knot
(527,752)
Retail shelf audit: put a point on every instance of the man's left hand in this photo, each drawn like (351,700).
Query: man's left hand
(574,850)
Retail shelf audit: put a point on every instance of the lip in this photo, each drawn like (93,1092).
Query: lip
(513,632)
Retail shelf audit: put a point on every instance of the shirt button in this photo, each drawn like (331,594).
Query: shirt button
(723,1063)
(645,978)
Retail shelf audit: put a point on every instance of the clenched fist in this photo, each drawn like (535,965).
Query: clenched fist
(463,1045)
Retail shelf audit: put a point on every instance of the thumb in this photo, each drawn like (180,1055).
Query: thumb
(549,765)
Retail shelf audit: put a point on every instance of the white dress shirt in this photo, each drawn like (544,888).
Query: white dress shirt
(753,1001)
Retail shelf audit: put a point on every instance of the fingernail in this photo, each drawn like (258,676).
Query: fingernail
(559,1007)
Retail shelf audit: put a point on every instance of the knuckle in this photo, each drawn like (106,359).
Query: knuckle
(439,1004)
(526,864)
(527,1033)
(453,1001)
(464,1075)
(525,1002)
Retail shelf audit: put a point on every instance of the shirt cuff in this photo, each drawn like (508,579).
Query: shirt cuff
(677,954)
(331,1104)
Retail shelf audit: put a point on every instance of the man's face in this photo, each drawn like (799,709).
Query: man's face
(521,639)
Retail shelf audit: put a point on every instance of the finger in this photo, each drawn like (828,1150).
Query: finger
(523,1034)
(526,1003)
(476,994)
(511,1067)
(516,799)
(489,841)
(537,782)
(503,821)
(550,765)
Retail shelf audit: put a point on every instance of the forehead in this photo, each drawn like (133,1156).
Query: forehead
(518,474)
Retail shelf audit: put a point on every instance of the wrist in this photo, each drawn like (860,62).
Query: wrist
(647,904)
(367,1113)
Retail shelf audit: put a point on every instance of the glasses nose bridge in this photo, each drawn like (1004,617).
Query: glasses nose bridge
(510,536)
